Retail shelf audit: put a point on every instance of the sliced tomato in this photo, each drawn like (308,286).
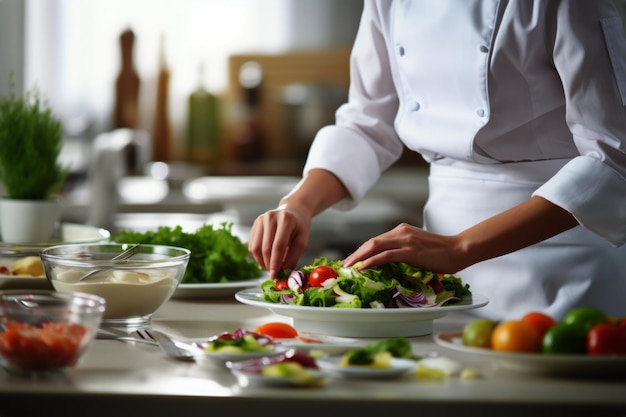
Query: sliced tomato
(319,274)
(46,347)
(277,330)
(281,284)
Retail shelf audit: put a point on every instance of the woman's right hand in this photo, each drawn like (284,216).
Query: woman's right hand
(279,237)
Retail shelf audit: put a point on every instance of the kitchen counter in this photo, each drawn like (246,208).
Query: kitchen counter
(119,378)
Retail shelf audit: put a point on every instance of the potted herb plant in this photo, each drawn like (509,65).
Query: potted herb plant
(31,139)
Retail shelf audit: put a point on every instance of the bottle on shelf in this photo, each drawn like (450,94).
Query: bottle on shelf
(162,133)
(202,124)
(127,83)
(249,140)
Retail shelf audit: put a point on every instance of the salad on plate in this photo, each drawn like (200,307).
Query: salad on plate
(326,283)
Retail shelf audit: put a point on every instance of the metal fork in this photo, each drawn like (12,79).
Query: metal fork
(169,346)
(109,333)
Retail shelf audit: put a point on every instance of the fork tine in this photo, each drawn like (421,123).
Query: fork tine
(145,334)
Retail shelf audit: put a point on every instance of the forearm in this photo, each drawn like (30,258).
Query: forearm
(317,191)
(523,225)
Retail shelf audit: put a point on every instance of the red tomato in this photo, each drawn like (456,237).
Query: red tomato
(281,284)
(277,330)
(320,274)
(541,322)
(606,339)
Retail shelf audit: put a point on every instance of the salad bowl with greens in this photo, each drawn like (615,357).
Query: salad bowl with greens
(327,283)
(391,300)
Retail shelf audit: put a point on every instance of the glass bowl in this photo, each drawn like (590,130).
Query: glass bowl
(133,288)
(46,331)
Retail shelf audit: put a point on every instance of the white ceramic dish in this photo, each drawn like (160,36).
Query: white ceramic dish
(249,373)
(361,322)
(328,345)
(537,363)
(217,290)
(67,233)
(219,360)
(22,282)
(399,367)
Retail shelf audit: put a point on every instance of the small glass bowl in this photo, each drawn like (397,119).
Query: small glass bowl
(133,288)
(46,332)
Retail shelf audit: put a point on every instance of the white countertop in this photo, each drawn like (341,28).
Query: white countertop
(118,378)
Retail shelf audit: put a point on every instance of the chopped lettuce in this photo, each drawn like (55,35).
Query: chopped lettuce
(217,255)
(379,287)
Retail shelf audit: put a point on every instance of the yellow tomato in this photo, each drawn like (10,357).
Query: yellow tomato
(515,336)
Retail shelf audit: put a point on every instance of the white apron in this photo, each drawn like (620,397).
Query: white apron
(574,268)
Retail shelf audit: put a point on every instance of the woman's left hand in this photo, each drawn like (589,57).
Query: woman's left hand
(411,245)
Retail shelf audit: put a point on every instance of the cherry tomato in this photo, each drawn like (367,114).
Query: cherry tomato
(563,339)
(515,336)
(436,285)
(541,322)
(584,318)
(277,330)
(606,339)
(281,284)
(320,274)
(477,333)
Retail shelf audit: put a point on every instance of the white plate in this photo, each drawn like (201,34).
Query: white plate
(11,252)
(67,233)
(329,345)
(537,363)
(216,290)
(218,360)
(248,373)
(361,322)
(398,368)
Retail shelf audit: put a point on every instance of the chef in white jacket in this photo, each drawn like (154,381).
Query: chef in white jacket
(520,109)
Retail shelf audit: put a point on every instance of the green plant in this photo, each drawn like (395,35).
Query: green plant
(31,138)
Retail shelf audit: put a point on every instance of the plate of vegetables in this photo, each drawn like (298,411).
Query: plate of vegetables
(219,265)
(238,345)
(387,301)
(292,369)
(20,264)
(585,342)
(385,359)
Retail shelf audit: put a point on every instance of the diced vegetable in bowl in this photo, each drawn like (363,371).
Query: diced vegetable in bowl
(45,331)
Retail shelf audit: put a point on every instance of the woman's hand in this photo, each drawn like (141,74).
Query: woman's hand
(411,245)
(279,237)
(530,222)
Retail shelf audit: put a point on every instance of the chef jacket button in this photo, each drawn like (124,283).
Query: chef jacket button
(400,50)
(480,112)
(484,49)
(415,106)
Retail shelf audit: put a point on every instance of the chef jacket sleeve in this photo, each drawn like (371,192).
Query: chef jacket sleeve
(589,50)
(363,142)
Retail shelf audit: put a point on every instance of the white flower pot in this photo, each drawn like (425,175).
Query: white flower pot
(28,221)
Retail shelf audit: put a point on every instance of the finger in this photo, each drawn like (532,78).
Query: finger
(254,243)
(267,246)
(294,251)
(391,255)
(370,248)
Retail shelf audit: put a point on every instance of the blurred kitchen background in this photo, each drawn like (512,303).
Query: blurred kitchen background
(187,111)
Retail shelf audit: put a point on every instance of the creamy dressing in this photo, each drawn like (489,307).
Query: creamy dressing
(127,293)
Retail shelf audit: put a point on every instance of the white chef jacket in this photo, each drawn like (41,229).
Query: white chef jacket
(495,87)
